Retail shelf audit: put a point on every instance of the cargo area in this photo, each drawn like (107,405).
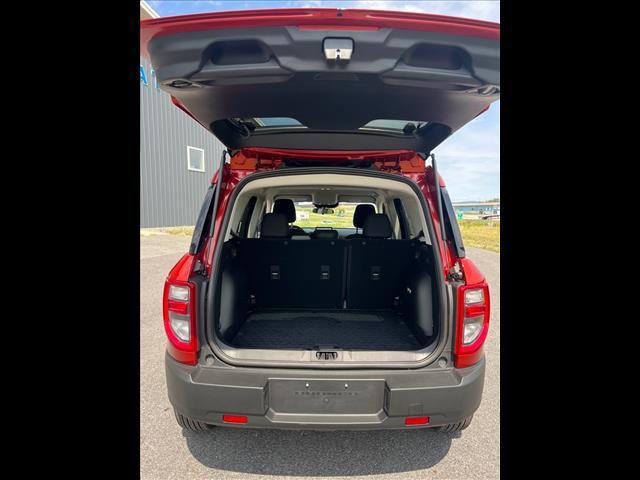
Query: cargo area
(283,288)
(369,293)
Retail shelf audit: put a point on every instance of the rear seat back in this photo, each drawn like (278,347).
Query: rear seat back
(320,273)
(377,265)
(377,271)
(265,259)
(284,273)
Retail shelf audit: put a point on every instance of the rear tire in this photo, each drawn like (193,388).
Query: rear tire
(456,427)
(190,424)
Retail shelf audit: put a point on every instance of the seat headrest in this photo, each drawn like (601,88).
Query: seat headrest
(274,225)
(286,207)
(362,212)
(377,226)
(325,234)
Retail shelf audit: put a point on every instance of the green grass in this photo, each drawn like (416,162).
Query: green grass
(342,217)
(481,234)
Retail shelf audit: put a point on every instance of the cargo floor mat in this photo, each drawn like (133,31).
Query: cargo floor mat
(343,330)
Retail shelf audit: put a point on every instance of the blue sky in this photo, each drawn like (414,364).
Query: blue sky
(469,160)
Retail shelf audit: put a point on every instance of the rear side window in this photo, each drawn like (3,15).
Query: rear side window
(451,224)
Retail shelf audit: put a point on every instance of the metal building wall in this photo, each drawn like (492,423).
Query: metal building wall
(170,194)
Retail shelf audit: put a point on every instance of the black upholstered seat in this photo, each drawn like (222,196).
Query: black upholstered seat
(377,265)
(377,225)
(286,207)
(274,225)
(360,214)
(290,274)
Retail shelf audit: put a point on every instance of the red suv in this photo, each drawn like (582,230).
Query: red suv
(326,285)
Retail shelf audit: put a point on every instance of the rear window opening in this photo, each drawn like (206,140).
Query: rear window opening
(312,271)
(312,216)
(266,123)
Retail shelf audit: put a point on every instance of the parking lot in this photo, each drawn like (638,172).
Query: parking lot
(167,452)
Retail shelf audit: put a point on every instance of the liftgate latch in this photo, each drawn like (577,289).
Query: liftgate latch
(325,272)
(338,48)
(326,355)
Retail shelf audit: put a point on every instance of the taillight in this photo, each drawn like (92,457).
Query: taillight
(179,309)
(472,324)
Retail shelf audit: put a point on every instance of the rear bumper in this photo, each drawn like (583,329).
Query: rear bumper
(332,400)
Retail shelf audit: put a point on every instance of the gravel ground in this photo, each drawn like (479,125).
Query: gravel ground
(167,452)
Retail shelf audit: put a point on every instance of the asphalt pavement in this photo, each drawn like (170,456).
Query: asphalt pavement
(168,452)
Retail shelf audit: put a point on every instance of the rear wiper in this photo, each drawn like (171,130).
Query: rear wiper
(413,129)
(244,128)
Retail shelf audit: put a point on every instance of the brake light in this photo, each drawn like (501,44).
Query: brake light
(180,321)
(472,324)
